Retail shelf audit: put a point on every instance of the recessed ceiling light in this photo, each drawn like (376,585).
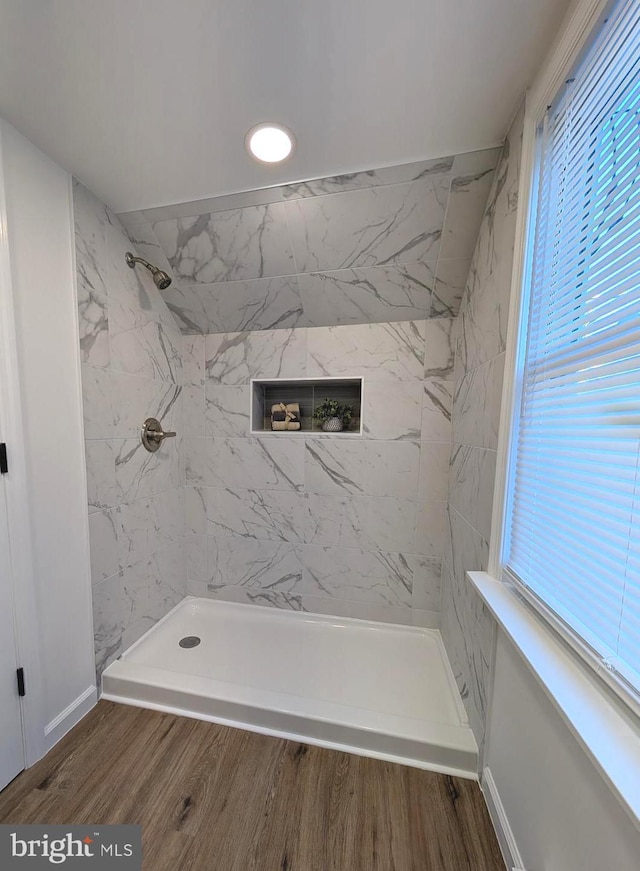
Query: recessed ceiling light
(269,143)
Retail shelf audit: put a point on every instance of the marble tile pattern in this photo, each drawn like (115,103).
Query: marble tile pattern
(468,629)
(350,526)
(131,352)
(362,274)
(384,245)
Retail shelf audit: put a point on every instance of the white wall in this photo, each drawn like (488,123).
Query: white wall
(40,235)
(562,814)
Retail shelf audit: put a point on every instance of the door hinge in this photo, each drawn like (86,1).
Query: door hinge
(4,466)
(20,675)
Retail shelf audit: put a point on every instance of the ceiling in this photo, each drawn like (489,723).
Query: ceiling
(147,101)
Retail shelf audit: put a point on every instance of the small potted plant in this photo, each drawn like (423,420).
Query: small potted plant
(333,414)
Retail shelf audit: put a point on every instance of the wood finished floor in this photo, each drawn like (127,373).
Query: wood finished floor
(210,798)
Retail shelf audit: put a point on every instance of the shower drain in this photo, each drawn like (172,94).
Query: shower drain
(189,641)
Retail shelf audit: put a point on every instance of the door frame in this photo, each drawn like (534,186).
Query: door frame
(22,577)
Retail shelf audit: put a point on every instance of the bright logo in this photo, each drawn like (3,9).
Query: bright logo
(39,847)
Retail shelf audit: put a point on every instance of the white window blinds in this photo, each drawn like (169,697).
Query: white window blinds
(573,530)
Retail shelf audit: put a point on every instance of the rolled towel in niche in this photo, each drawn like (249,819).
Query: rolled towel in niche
(285,417)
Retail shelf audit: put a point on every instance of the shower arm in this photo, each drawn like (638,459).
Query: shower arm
(133,259)
(161,278)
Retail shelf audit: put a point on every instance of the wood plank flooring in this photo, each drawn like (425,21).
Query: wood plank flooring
(210,798)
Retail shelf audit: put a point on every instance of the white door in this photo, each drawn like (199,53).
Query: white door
(11,744)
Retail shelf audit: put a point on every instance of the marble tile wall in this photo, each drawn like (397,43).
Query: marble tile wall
(351,526)
(352,275)
(387,245)
(131,369)
(467,627)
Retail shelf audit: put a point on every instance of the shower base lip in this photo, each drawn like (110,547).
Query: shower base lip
(152,674)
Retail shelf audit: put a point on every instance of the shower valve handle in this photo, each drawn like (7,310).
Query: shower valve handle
(153,435)
(158,436)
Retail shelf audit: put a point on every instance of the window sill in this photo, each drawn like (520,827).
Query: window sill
(609,735)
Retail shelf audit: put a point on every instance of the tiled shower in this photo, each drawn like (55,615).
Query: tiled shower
(395,275)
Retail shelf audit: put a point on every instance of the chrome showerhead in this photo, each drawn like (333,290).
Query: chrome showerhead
(160,277)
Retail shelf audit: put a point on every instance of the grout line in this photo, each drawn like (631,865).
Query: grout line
(279,187)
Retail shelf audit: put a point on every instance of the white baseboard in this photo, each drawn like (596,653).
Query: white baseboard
(67,719)
(506,839)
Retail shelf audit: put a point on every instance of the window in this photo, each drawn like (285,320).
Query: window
(573,521)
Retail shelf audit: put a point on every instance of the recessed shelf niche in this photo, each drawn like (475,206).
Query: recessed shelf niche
(309,393)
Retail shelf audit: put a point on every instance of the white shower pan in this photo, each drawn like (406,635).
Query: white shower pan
(374,689)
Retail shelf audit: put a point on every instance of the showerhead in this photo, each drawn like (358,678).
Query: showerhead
(160,277)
